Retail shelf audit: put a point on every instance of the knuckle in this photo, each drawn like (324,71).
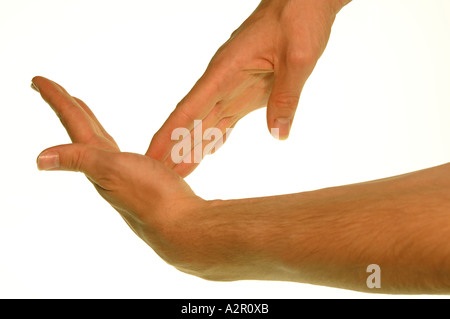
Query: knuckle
(64,106)
(77,160)
(224,67)
(182,111)
(285,102)
(300,58)
(220,110)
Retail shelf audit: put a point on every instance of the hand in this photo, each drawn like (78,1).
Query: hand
(266,61)
(149,196)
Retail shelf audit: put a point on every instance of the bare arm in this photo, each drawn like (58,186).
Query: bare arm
(326,237)
(330,236)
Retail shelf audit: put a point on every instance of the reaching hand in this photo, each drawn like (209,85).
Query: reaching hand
(148,195)
(266,61)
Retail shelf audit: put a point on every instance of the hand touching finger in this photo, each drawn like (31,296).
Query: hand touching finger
(281,39)
(195,106)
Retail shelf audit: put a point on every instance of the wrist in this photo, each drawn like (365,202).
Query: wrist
(211,240)
(227,240)
(171,230)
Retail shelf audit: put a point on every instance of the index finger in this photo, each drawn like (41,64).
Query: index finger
(79,125)
(213,85)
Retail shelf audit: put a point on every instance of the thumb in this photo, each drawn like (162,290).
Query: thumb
(283,102)
(75,157)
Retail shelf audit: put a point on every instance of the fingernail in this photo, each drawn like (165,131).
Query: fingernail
(48,160)
(281,127)
(34,87)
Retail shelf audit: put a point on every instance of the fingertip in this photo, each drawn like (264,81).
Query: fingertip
(34,87)
(37,82)
(281,128)
(37,79)
(48,160)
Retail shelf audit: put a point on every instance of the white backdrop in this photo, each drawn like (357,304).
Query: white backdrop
(377,105)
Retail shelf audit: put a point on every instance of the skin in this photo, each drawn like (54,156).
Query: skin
(266,62)
(325,237)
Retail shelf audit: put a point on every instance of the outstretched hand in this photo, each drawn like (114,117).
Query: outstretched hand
(149,196)
(266,61)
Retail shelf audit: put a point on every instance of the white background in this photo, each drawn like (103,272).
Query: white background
(377,105)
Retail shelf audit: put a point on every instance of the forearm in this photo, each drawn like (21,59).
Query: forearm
(334,5)
(326,237)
